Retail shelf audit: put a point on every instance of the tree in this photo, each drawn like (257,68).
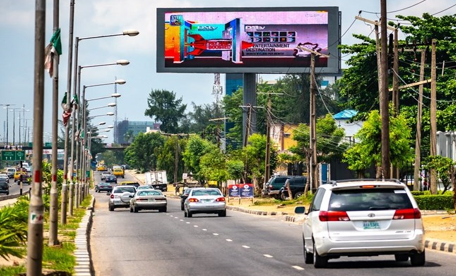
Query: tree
(196,148)
(142,154)
(367,151)
(213,165)
(129,136)
(445,168)
(166,109)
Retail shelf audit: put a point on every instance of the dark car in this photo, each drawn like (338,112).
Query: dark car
(184,196)
(297,185)
(4,185)
(102,186)
(111,179)
(272,187)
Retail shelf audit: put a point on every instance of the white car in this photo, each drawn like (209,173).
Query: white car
(120,197)
(205,200)
(363,218)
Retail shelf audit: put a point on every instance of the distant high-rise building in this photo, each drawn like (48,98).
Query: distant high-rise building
(135,127)
(232,83)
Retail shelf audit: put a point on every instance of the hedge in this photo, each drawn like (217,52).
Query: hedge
(435,202)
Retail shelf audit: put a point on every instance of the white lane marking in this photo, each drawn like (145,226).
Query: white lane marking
(297,267)
(204,229)
(176,217)
(267,255)
(215,234)
(245,246)
(195,225)
(188,222)
(229,240)
(181,220)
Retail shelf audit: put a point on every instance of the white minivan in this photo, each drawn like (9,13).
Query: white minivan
(363,218)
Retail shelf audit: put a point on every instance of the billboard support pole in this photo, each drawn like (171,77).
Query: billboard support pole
(250,98)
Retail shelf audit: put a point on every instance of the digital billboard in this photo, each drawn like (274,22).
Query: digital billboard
(247,40)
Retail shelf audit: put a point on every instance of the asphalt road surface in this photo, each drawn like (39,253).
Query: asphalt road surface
(15,188)
(152,243)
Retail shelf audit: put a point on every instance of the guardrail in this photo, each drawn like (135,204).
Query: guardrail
(15,196)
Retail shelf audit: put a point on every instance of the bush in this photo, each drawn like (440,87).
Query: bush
(435,202)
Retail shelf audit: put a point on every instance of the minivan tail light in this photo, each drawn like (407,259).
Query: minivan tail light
(193,199)
(333,216)
(407,214)
(112,196)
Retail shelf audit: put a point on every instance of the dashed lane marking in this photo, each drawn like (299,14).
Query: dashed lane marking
(246,246)
(297,267)
(267,255)
(229,240)
(215,234)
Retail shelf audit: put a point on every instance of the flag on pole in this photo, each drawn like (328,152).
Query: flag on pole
(75,102)
(66,110)
(55,46)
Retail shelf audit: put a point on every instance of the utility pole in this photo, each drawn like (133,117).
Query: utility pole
(36,208)
(433,117)
(379,67)
(267,169)
(247,130)
(396,72)
(313,118)
(385,99)
(419,114)
(7,121)
(54,204)
(67,129)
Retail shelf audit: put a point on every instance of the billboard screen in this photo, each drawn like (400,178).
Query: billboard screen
(247,40)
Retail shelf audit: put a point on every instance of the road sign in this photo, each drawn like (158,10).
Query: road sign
(13,155)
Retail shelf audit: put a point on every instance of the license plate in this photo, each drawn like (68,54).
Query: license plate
(151,199)
(371,225)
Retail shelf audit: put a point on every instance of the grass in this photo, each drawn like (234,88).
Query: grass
(59,258)
(12,270)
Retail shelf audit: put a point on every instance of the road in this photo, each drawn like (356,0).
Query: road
(152,243)
(15,189)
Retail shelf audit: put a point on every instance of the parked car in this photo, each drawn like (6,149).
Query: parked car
(184,196)
(4,184)
(272,187)
(103,186)
(297,185)
(363,218)
(110,178)
(205,200)
(147,199)
(120,197)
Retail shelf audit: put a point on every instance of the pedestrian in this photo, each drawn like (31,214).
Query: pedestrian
(425,185)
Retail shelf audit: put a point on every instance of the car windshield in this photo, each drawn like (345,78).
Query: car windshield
(149,193)
(206,193)
(369,199)
(124,189)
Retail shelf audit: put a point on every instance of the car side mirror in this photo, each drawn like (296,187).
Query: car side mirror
(300,210)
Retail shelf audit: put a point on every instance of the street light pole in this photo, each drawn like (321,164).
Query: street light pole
(7,121)
(54,195)
(36,208)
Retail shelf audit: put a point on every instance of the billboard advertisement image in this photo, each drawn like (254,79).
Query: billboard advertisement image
(247,40)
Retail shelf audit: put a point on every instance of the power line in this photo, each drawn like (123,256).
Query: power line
(444,9)
(402,9)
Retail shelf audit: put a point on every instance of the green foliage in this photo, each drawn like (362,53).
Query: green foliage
(13,229)
(196,148)
(444,167)
(368,149)
(235,169)
(142,154)
(254,155)
(213,165)
(166,109)
(435,202)
(12,270)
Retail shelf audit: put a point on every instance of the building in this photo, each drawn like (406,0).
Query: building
(133,128)
(343,120)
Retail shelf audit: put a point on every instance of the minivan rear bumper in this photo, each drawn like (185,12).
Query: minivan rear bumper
(327,247)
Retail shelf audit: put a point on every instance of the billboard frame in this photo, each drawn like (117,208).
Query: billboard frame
(334,39)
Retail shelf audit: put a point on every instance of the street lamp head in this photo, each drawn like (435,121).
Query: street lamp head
(101,123)
(111,126)
(112,104)
(110,113)
(116,95)
(119,81)
(122,62)
(131,32)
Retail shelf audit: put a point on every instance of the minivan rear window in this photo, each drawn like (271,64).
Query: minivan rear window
(369,199)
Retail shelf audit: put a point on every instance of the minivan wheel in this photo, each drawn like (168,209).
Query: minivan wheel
(308,257)
(319,261)
(418,259)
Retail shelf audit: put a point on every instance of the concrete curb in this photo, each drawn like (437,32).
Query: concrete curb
(431,244)
(84,265)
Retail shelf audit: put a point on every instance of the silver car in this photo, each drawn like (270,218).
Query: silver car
(120,197)
(205,200)
(148,199)
(363,218)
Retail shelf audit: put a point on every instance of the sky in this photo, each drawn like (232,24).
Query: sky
(104,17)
